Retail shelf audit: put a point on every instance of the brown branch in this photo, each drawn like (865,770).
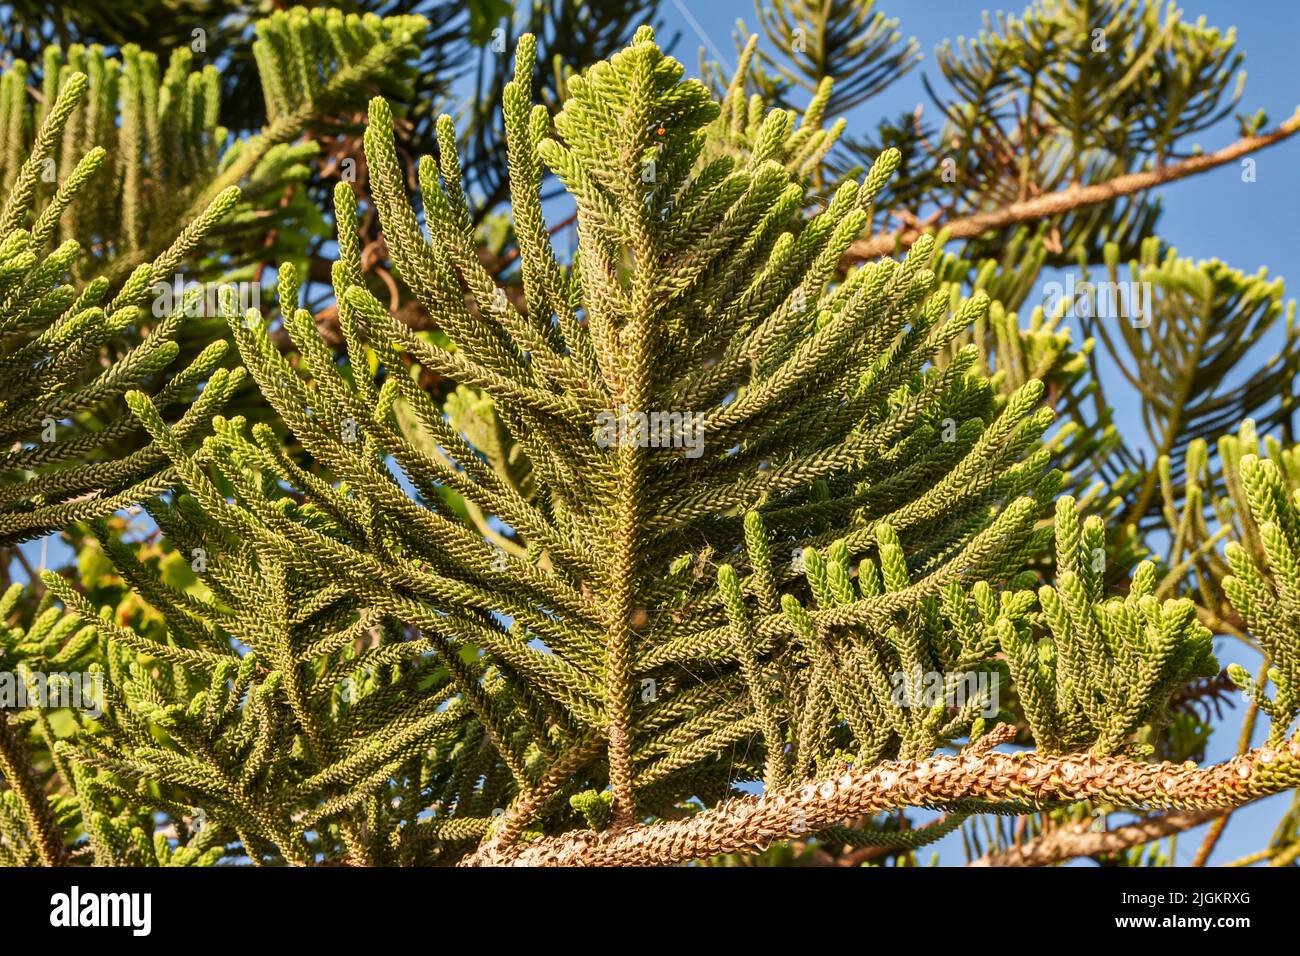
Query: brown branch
(33,579)
(751,824)
(1076,839)
(1211,839)
(1054,203)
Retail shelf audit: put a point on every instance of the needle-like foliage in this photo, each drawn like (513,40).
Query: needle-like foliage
(112,184)
(700,511)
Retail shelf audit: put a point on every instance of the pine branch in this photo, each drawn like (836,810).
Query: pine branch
(1073,197)
(1079,839)
(752,824)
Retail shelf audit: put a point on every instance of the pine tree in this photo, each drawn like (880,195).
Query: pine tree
(730,531)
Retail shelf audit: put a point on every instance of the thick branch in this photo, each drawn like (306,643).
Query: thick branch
(1076,839)
(750,825)
(1051,204)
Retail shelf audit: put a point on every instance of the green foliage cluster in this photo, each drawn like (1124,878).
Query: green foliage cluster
(417,587)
